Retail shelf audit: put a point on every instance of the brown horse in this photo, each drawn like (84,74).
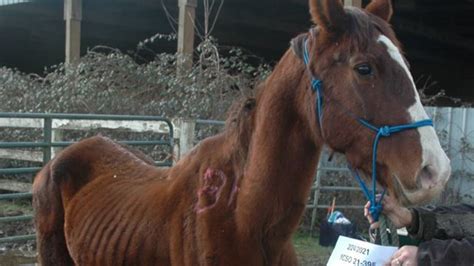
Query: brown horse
(236,198)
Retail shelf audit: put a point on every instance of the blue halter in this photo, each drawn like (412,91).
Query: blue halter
(383,131)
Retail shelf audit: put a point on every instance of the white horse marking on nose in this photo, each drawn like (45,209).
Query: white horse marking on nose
(432,153)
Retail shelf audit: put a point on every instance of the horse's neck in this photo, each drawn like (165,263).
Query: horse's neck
(282,158)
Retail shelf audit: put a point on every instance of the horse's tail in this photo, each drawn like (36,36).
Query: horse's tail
(49,219)
(53,188)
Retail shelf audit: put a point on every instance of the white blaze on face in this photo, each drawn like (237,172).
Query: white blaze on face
(433,155)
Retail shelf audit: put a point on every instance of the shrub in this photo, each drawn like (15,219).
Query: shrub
(107,80)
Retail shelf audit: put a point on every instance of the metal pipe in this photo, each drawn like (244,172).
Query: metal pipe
(84,116)
(10,196)
(47,138)
(17,238)
(13,171)
(16,218)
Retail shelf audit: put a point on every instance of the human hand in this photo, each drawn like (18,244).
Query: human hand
(405,256)
(400,216)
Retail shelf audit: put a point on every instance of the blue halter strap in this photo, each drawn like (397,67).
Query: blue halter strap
(383,131)
(316,86)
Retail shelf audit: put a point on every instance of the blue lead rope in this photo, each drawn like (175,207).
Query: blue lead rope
(383,131)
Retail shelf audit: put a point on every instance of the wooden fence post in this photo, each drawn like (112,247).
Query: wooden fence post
(57,135)
(186,129)
(187,15)
(73,17)
(356,3)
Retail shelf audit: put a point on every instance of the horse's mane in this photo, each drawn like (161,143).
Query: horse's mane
(239,127)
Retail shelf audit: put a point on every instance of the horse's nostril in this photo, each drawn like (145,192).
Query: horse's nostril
(428,177)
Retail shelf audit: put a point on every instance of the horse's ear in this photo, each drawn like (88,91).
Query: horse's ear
(381,8)
(329,15)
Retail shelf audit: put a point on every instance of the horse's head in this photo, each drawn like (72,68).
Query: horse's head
(364,74)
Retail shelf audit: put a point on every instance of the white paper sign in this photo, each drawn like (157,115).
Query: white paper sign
(350,251)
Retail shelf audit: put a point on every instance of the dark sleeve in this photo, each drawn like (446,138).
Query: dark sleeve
(446,252)
(455,222)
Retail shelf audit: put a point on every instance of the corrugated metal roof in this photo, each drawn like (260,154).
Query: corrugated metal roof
(12,2)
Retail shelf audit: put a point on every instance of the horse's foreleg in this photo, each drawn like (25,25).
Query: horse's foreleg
(288,256)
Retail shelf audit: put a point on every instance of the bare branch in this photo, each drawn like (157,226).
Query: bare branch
(171,20)
(219,9)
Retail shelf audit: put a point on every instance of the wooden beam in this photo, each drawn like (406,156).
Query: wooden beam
(356,3)
(73,17)
(187,15)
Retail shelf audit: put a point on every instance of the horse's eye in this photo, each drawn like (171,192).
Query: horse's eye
(364,69)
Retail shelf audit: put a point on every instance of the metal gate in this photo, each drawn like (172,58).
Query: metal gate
(52,125)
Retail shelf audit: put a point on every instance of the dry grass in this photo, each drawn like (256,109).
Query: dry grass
(309,252)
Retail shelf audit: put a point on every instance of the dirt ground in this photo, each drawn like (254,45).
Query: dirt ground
(16,208)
